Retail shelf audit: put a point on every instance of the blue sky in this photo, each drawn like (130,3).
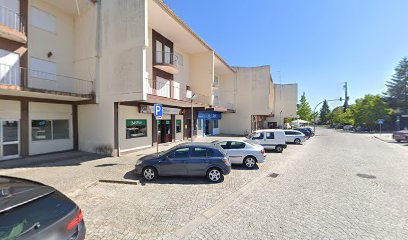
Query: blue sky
(319,44)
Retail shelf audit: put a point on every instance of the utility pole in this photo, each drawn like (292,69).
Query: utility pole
(346,98)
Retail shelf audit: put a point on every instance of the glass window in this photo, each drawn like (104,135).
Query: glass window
(41,130)
(288,133)
(215,123)
(159,52)
(258,136)
(199,124)
(180,153)
(199,152)
(167,55)
(10,149)
(10,131)
(136,128)
(224,145)
(178,126)
(270,135)
(60,129)
(237,145)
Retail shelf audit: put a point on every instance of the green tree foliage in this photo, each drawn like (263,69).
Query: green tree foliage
(304,111)
(338,116)
(397,87)
(324,113)
(369,109)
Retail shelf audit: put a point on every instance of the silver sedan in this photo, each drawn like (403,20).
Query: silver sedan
(241,152)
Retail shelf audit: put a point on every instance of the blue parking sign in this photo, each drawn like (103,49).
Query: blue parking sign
(380,121)
(158,110)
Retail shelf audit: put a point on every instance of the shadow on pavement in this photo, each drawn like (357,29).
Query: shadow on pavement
(242,167)
(131,175)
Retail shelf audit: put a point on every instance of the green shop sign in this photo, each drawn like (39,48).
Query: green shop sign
(132,122)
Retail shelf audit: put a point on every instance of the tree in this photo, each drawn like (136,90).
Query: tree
(304,111)
(397,87)
(369,109)
(324,113)
(339,116)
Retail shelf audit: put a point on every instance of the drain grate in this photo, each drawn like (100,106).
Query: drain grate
(363,175)
(119,182)
(273,175)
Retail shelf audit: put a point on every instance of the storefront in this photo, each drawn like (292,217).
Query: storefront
(208,123)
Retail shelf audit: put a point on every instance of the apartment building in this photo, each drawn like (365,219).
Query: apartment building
(259,102)
(85,74)
(43,78)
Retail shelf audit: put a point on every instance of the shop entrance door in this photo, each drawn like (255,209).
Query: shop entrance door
(207,127)
(164,131)
(9,139)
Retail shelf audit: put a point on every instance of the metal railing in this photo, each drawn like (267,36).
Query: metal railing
(12,19)
(175,91)
(166,58)
(35,79)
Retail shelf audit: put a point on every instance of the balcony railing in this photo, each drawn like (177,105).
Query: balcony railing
(34,79)
(12,19)
(166,61)
(173,90)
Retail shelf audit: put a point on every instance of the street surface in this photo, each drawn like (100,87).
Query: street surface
(335,186)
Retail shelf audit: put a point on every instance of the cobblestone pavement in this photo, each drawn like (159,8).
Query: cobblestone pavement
(335,186)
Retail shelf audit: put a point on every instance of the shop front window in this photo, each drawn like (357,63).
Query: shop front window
(199,124)
(41,130)
(60,129)
(215,123)
(136,128)
(178,126)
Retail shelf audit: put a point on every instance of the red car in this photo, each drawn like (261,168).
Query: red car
(400,136)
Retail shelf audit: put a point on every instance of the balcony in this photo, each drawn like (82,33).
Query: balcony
(224,104)
(12,25)
(166,61)
(20,81)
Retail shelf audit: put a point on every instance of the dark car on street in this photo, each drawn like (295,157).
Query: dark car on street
(400,136)
(31,210)
(187,159)
(308,133)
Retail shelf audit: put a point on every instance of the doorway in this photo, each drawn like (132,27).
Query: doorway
(9,139)
(164,131)
(207,126)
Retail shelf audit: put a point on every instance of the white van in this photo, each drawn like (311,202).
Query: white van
(271,139)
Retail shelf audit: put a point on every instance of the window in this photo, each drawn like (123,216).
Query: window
(43,20)
(288,133)
(43,69)
(178,126)
(199,124)
(180,153)
(60,129)
(224,145)
(237,145)
(159,52)
(258,136)
(216,80)
(41,130)
(270,135)
(215,123)
(167,55)
(179,58)
(200,152)
(136,128)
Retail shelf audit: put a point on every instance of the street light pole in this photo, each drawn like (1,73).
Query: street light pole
(193,96)
(314,111)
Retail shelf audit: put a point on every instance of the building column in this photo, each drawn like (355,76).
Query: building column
(154,130)
(116,129)
(24,128)
(75,126)
(173,127)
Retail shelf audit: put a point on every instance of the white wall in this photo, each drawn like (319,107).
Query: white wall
(48,111)
(9,109)
(130,112)
(285,101)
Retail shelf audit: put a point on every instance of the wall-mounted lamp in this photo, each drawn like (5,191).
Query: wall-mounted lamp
(49,54)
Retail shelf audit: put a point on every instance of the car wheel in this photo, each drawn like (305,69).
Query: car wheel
(214,175)
(149,173)
(279,149)
(250,162)
(297,141)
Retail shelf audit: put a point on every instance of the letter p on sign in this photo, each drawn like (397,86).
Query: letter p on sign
(158,110)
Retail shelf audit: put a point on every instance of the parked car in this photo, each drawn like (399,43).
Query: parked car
(241,152)
(400,136)
(272,139)
(362,129)
(305,131)
(348,128)
(31,210)
(293,136)
(311,129)
(186,159)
